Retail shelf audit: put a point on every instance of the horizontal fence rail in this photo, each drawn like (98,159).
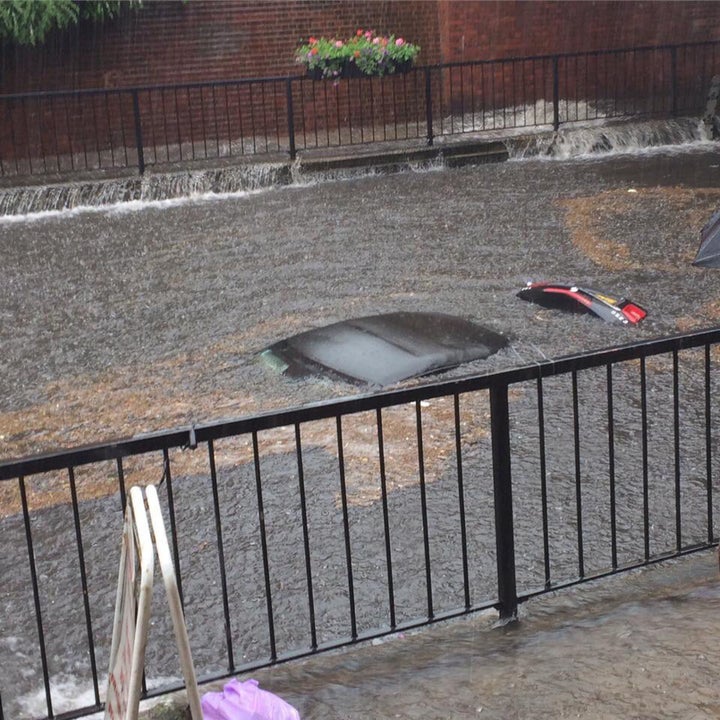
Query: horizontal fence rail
(60,133)
(298,531)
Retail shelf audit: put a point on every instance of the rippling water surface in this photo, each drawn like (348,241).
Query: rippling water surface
(144,317)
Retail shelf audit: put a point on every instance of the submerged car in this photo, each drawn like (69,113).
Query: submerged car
(384,349)
(572,298)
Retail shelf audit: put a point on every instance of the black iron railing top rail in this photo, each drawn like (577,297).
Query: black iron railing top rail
(194,434)
(284,78)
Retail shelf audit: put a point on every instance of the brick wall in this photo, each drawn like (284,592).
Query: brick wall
(210,40)
(172,42)
(488,29)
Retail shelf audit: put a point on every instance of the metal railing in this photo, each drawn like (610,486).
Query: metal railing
(298,531)
(59,133)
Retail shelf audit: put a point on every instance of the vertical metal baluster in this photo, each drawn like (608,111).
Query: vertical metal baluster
(461,502)
(166,134)
(543,480)
(150,129)
(215,118)
(473,97)
(503,501)
(462,99)
(493,71)
(383,107)
(177,122)
(109,129)
(423,508)
(413,78)
(221,556)
(708,447)
(36,597)
(361,104)
(203,124)
(291,130)
(121,116)
(81,124)
(55,135)
(240,119)
(84,583)
(253,129)
(227,120)
(645,471)
(324,91)
(137,123)
(41,131)
(578,478)
(586,92)
(27,134)
(263,543)
(69,126)
(264,114)
(676,443)
(393,88)
(346,528)
(577,100)
(386,517)
(121,484)
(611,467)
(306,538)
(190,123)
(167,474)
(96,129)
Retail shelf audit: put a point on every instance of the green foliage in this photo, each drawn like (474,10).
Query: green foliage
(369,53)
(27,22)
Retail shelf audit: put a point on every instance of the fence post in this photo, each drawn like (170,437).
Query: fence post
(673,81)
(556,93)
(428,106)
(290,118)
(138,132)
(504,532)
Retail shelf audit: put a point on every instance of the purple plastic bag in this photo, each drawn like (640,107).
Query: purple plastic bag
(246,701)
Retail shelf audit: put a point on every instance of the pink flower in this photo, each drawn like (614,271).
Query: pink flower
(399,42)
(338,43)
(376,41)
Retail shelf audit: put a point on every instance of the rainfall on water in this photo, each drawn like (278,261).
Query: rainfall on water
(359,360)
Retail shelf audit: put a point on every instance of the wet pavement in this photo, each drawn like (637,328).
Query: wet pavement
(640,647)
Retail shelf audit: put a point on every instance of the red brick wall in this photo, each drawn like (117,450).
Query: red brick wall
(175,42)
(209,40)
(489,29)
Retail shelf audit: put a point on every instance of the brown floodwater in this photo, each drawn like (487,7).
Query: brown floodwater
(141,317)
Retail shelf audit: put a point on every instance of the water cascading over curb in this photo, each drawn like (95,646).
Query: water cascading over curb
(568,143)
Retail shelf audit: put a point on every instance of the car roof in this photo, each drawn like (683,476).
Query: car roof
(385,349)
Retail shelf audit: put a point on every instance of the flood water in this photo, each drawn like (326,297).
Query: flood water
(146,316)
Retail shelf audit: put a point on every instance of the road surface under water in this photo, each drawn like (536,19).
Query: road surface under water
(149,316)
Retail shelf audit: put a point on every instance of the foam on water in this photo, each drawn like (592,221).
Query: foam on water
(602,140)
(70,693)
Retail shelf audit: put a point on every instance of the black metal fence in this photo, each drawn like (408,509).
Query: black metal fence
(54,133)
(298,531)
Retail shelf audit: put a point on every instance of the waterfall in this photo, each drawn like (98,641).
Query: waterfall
(602,138)
(607,139)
